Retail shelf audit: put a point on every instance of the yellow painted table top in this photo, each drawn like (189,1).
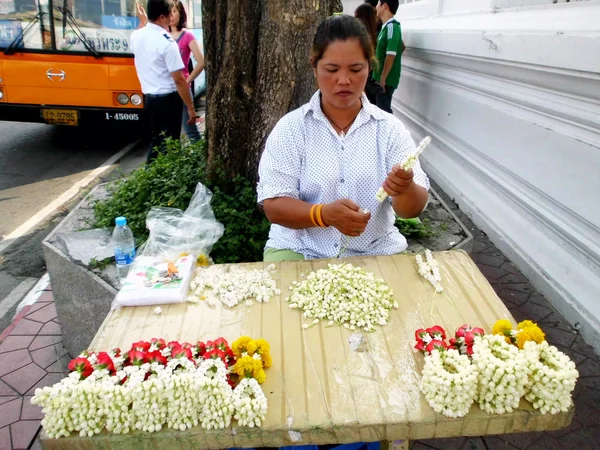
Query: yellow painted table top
(319,390)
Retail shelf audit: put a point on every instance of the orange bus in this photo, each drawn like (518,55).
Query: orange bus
(68,62)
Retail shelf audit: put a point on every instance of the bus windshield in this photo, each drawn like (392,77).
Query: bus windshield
(98,27)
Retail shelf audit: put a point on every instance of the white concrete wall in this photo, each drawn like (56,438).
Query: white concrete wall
(510,93)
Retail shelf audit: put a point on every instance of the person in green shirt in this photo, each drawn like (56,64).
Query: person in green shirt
(388,51)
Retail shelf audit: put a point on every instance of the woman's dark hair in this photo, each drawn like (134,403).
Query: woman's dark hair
(340,28)
(368,16)
(182,15)
(157,8)
(373,3)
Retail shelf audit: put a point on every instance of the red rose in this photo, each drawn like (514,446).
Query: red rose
(201,348)
(469,337)
(141,346)
(136,358)
(215,353)
(478,331)
(117,352)
(182,353)
(158,343)
(105,362)
(82,366)
(469,350)
(437,332)
(420,345)
(460,332)
(174,344)
(230,357)
(435,345)
(420,334)
(221,344)
(187,345)
(156,356)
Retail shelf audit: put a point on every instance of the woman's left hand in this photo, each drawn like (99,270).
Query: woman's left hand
(398,181)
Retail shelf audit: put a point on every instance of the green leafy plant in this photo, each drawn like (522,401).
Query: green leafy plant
(170,181)
(414,228)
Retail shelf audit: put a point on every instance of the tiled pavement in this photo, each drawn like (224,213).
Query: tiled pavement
(31,356)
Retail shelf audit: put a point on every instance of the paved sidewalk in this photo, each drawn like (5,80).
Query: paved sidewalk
(32,355)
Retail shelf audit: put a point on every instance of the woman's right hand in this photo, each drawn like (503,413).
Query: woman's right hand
(346,216)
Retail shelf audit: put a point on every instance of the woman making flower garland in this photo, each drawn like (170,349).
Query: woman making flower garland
(324,162)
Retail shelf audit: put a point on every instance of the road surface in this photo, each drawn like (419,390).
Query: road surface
(39,164)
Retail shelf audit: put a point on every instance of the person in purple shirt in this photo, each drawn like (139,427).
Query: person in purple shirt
(188,45)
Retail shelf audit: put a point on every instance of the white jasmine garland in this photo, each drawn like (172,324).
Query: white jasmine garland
(448,382)
(343,294)
(236,286)
(430,270)
(179,395)
(552,378)
(250,403)
(503,374)
(407,165)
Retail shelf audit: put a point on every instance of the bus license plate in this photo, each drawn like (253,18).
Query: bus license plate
(60,116)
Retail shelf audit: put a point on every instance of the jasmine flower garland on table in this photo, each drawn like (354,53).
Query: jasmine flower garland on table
(552,378)
(430,270)
(508,365)
(503,374)
(154,384)
(343,294)
(448,382)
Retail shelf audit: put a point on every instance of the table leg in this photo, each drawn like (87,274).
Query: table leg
(395,445)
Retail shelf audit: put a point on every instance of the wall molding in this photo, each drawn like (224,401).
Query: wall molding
(523,233)
(548,98)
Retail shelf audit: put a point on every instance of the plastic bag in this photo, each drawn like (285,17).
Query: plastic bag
(162,271)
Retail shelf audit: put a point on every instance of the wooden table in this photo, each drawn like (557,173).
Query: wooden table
(319,390)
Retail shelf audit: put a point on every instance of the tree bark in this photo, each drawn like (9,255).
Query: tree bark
(257,67)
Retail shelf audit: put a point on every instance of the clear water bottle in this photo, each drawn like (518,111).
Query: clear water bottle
(124,246)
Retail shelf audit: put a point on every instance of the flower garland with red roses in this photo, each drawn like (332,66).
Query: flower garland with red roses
(494,370)
(154,384)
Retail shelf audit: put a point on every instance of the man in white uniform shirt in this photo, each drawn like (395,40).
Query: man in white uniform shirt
(160,71)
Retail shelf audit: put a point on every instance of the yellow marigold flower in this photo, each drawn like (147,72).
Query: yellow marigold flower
(260,376)
(536,333)
(522,337)
(240,346)
(525,324)
(266,360)
(502,327)
(263,346)
(244,367)
(251,347)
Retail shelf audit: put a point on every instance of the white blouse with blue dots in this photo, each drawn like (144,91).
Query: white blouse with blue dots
(306,159)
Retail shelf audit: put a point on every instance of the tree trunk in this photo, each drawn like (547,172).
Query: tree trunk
(257,66)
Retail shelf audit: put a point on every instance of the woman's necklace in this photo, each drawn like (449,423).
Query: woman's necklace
(342,129)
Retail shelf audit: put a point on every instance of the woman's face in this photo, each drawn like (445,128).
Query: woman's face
(174,16)
(342,73)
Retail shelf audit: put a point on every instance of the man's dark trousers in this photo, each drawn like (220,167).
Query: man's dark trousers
(384,99)
(165,111)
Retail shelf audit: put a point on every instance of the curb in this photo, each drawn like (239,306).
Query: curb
(14,323)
